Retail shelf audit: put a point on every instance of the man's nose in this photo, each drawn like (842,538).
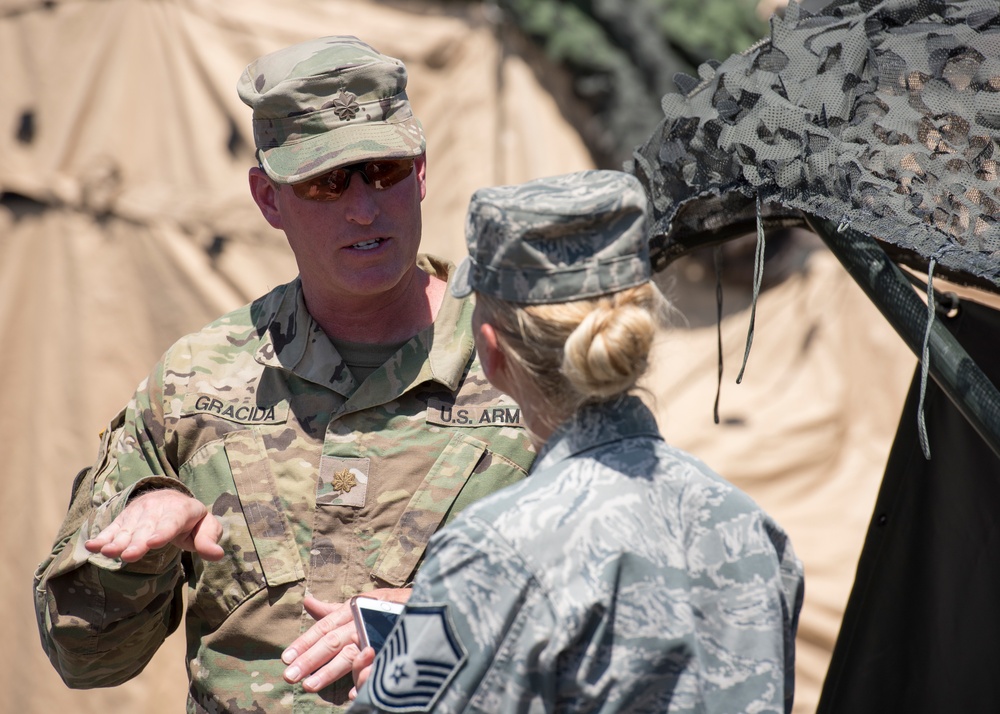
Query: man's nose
(358,200)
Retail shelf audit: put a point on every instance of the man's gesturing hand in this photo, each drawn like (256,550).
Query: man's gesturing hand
(155,519)
(326,651)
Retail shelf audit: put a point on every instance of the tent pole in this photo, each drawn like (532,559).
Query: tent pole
(958,375)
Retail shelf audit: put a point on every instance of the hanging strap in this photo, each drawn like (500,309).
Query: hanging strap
(758,276)
(717,260)
(925,361)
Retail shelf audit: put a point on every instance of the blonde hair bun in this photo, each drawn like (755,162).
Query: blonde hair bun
(581,351)
(609,351)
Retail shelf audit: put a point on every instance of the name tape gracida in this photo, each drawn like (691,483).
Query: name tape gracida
(236,411)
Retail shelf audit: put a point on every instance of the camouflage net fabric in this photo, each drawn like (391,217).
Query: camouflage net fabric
(881,116)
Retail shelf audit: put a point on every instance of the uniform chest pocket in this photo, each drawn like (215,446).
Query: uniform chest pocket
(404,547)
(234,477)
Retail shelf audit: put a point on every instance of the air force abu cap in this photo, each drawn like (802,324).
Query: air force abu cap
(326,103)
(556,239)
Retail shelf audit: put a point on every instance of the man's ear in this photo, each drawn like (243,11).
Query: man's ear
(265,195)
(420,164)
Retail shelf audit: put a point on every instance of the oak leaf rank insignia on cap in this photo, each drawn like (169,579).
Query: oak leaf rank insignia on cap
(325,103)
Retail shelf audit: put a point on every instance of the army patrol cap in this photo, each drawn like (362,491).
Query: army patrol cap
(326,103)
(556,239)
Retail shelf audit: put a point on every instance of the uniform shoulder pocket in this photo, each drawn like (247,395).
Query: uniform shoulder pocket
(233,477)
(265,519)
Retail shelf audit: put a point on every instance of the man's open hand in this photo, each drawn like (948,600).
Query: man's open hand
(158,518)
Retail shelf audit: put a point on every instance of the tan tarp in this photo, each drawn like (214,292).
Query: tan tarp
(132,104)
(806,433)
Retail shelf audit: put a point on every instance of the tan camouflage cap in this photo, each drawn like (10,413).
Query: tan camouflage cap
(326,103)
(556,239)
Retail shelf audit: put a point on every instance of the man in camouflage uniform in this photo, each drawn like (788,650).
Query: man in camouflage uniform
(301,449)
(623,575)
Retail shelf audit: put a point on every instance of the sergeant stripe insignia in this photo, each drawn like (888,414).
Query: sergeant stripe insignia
(445,414)
(417,662)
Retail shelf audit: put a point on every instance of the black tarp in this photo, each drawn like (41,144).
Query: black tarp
(921,632)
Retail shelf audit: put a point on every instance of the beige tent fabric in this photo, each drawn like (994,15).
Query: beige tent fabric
(134,106)
(132,183)
(807,432)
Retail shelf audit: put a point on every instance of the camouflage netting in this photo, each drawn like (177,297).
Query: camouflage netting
(879,115)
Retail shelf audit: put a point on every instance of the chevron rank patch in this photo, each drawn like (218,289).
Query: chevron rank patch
(417,661)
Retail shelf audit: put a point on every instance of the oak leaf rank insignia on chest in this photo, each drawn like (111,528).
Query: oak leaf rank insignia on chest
(342,481)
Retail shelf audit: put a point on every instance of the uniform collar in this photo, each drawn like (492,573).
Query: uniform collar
(595,425)
(292,340)
(450,337)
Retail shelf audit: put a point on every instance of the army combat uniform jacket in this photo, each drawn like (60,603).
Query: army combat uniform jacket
(622,576)
(322,485)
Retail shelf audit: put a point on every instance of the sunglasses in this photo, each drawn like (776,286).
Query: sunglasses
(380,175)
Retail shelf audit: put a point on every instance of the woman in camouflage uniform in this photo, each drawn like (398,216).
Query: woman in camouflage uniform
(623,575)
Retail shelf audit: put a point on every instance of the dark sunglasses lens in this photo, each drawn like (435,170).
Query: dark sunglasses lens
(384,174)
(325,187)
(331,185)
